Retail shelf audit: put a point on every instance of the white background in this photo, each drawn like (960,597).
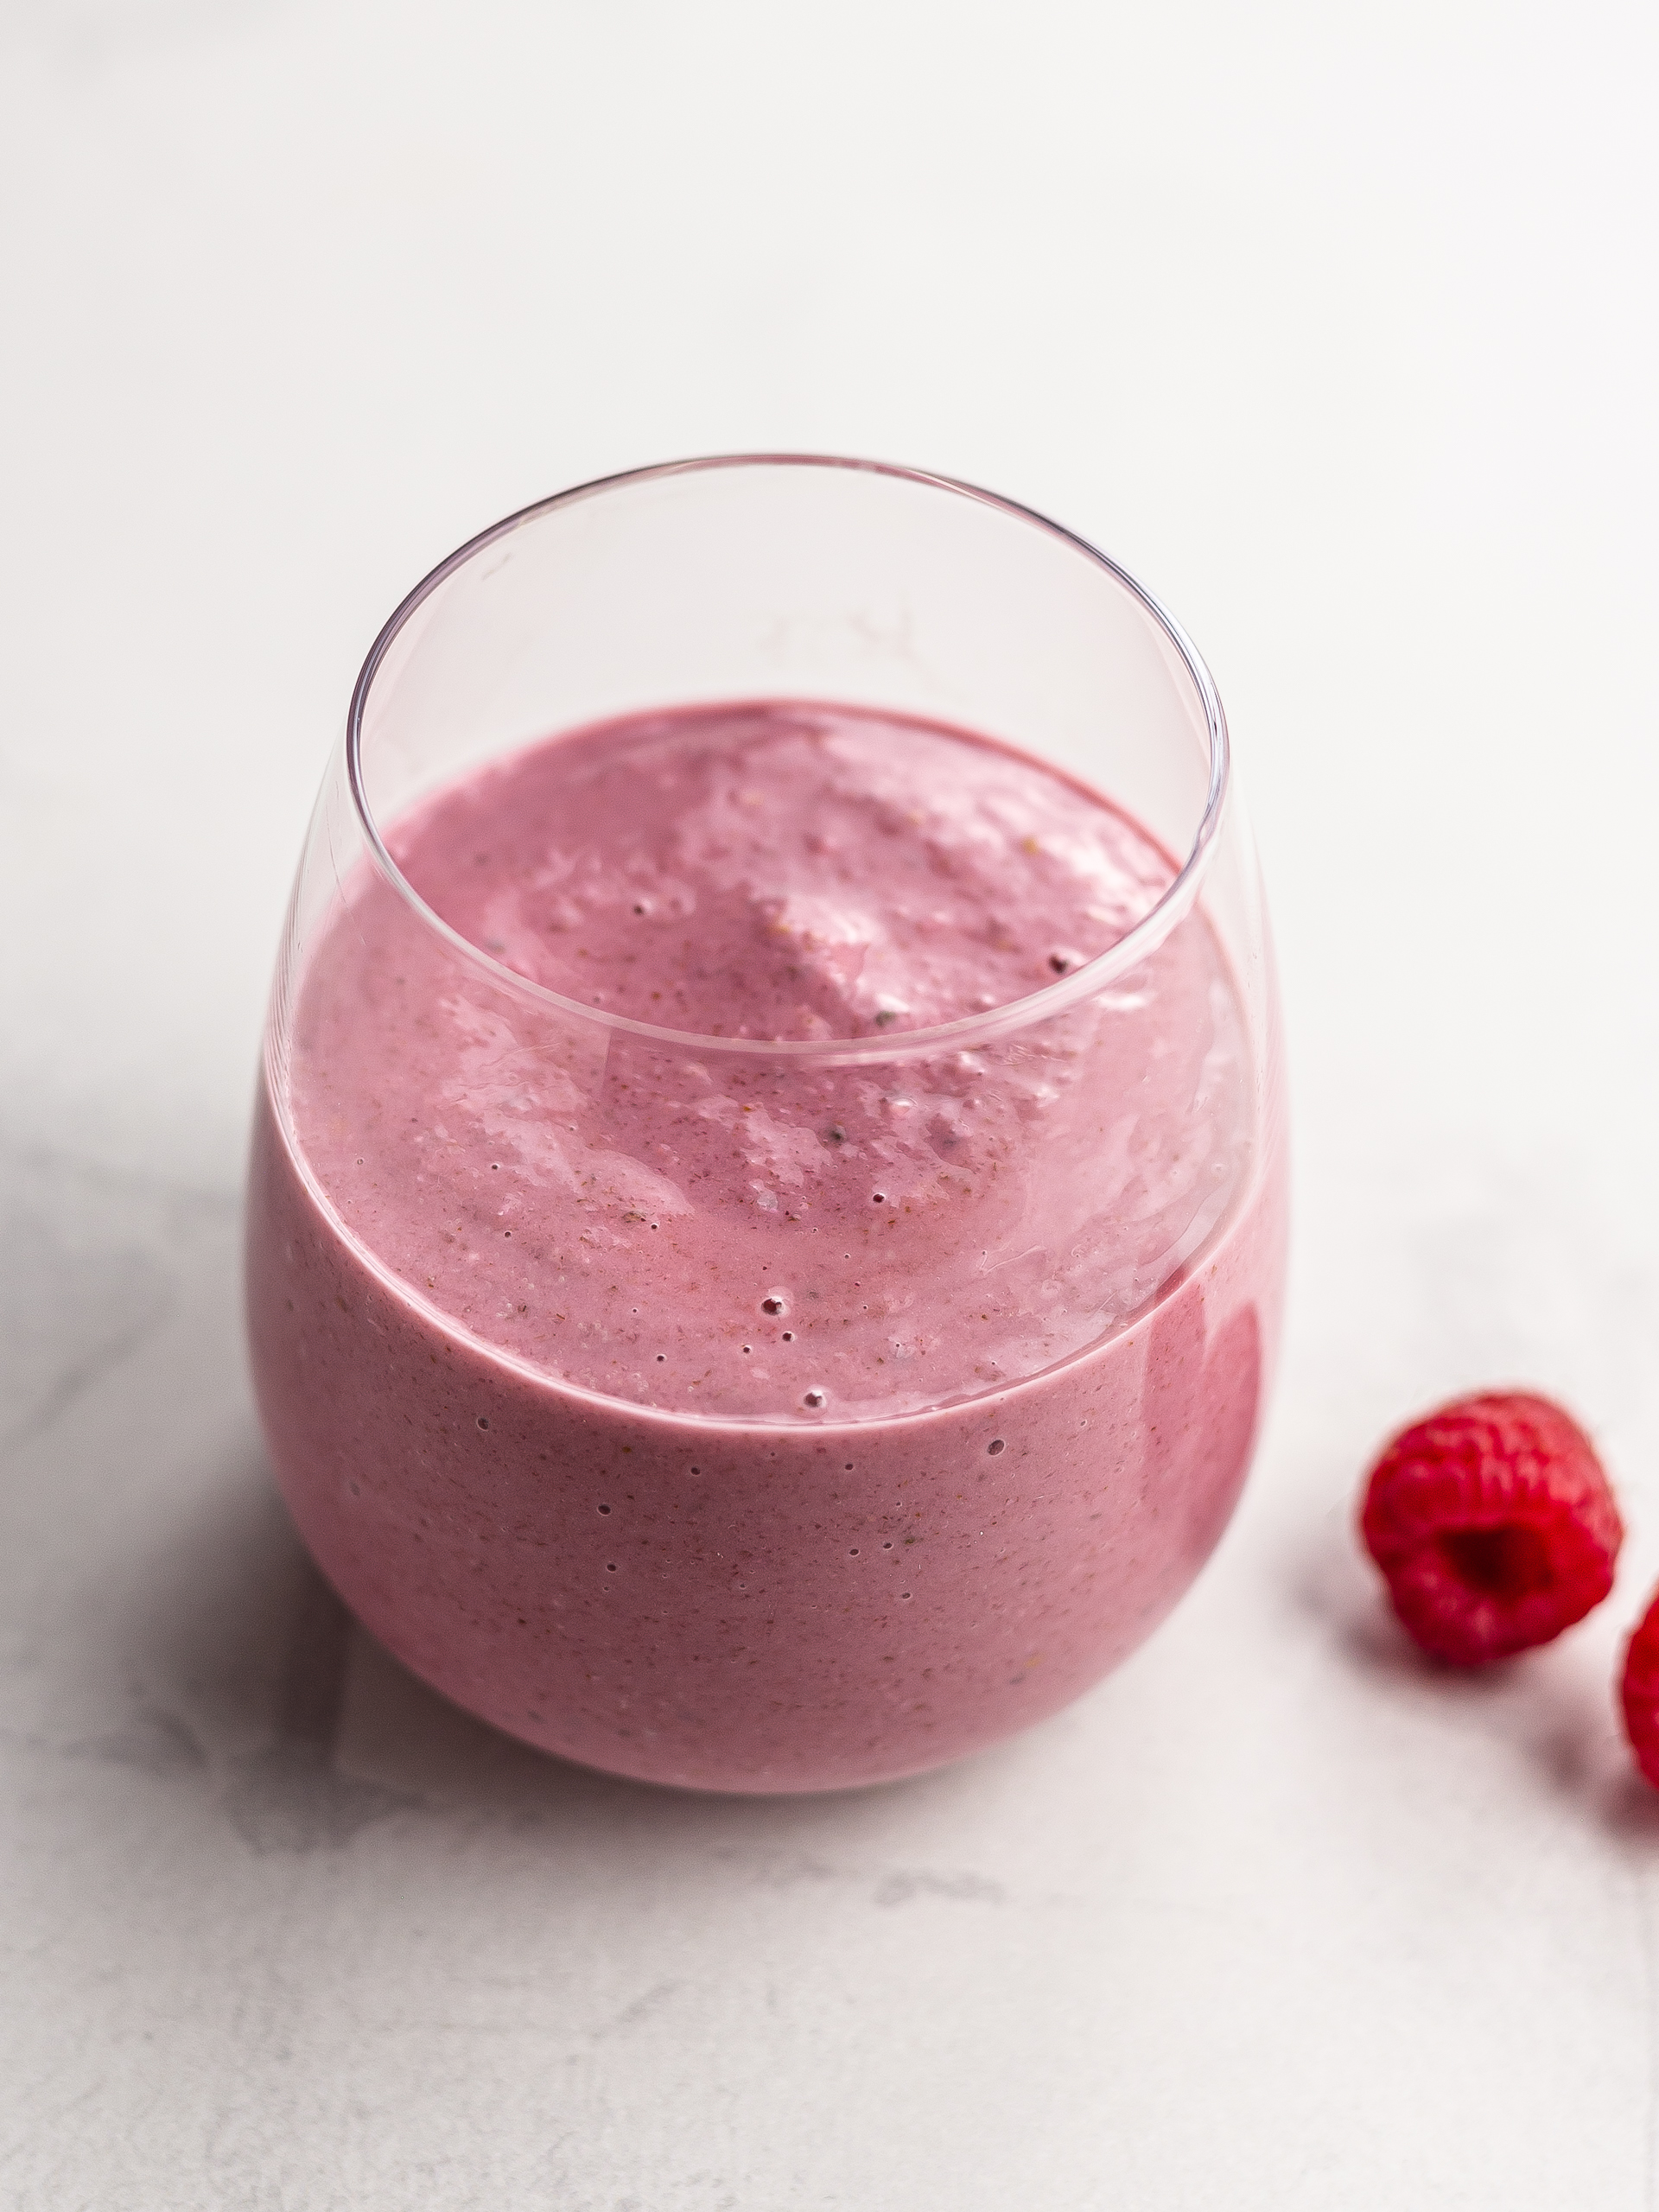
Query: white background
(1337,324)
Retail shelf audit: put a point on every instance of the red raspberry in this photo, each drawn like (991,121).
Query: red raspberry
(1494,1526)
(1638,1693)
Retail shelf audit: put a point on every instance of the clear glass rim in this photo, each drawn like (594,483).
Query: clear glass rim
(967,1031)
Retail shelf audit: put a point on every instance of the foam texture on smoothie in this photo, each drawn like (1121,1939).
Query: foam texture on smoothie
(751,1238)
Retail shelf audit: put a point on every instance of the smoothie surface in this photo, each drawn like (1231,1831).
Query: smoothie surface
(750,1239)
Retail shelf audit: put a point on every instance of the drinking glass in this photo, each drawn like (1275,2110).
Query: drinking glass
(1054,1227)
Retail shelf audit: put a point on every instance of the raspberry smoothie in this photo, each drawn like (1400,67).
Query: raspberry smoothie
(735,1420)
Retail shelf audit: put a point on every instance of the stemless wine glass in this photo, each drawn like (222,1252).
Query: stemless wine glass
(778,1413)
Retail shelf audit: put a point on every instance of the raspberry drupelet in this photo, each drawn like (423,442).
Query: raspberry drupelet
(1638,1693)
(1494,1526)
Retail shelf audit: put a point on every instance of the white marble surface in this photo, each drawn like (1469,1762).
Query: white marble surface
(1338,325)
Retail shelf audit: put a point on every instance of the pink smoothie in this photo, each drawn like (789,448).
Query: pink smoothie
(739,1421)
